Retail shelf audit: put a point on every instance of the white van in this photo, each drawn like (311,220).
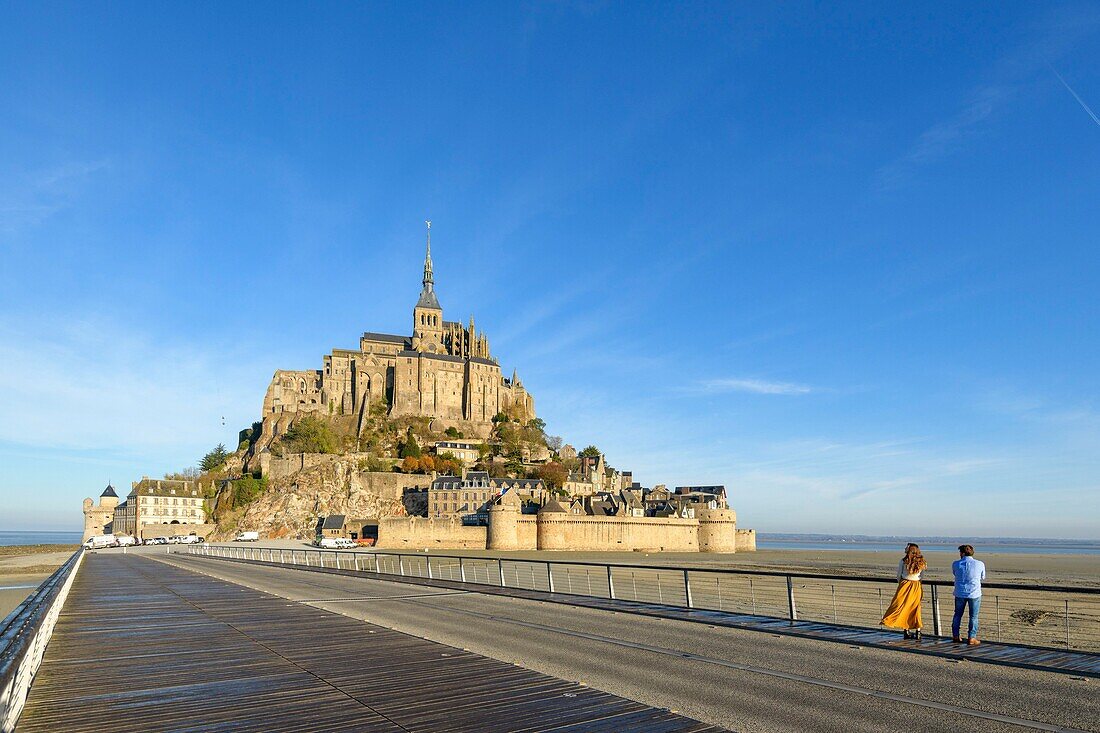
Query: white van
(99,541)
(190,539)
(247,537)
(125,540)
(328,543)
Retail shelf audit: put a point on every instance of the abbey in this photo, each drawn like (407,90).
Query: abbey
(443,370)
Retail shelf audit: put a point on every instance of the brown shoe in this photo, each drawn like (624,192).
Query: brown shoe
(956,639)
(973,642)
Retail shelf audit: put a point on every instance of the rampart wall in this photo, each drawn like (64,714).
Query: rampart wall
(428,532)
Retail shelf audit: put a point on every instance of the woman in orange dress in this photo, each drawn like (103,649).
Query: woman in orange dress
(904,610)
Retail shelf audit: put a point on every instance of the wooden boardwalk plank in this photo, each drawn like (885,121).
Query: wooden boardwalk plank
(142,646)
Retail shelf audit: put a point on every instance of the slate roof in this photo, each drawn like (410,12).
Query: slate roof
(428,299)
(109,491)
(720,490)
(333,521)
(388,337)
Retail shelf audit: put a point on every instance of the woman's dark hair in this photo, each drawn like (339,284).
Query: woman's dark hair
(967,550)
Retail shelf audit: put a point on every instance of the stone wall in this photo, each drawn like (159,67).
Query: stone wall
(746,540)
(428,532)
(527,532)
(149,531)
(603,534)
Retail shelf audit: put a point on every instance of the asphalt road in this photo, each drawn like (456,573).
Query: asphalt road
(743,680)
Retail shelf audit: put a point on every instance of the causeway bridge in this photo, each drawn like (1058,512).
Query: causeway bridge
(230,638)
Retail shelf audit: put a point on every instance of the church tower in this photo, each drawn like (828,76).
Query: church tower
(428,315)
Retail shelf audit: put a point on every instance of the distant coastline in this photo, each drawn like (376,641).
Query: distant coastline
(10,538)
(872,543)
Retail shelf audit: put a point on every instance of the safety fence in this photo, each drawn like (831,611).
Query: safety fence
(1037,615)
(24,635)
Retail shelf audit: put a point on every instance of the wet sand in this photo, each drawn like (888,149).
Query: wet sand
(23,567)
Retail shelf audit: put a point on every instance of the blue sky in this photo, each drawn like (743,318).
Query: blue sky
(840,259)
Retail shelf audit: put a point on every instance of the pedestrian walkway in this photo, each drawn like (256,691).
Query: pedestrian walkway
(141,645)
(1015,655)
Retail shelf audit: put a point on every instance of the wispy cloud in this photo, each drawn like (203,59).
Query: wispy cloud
(754,386)
(29,199)
(94,385)
(1077,97)
(943,137)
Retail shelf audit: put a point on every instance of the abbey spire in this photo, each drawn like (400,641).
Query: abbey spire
(428,280)
(427,293)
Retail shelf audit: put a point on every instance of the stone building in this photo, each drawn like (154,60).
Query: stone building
(470,495)
(98,518)
(464,450)
(443,370)
(160,502)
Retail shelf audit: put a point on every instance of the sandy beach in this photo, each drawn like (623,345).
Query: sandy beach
(23,567)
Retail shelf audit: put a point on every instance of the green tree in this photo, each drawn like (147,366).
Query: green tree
(590,452)
(410,448)
(310,435)
(214,459)
(453,432)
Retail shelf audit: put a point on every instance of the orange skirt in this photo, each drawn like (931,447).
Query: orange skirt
(904,610)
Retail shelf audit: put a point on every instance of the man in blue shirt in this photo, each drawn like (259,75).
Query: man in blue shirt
(969,574)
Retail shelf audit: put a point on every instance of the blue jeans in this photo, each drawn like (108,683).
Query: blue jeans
(960,604)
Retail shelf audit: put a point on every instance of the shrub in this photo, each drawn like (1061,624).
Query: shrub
(453,432)
(246,489)
(310,435)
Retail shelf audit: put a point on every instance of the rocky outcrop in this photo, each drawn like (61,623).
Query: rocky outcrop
(291,504)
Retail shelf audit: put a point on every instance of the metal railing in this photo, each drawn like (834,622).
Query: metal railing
(1037,615)
(23,638)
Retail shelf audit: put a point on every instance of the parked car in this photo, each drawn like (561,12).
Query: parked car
(328,543)
(125,540)
(157,541)
(345,543)
(190,539)
(174,539)
(247,537)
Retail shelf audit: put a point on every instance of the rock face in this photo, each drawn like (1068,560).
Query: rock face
(290,506)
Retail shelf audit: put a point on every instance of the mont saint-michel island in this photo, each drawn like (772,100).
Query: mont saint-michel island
(549,367)
(422,442)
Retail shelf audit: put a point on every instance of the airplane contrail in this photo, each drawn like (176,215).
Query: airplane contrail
(1079,100)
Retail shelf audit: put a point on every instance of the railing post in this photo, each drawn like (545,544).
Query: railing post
(1067,623)
(428,562)
(936,611)
(687,590)
(549,578)
(792,611)
(500,571)
(610,584)
(357,562)
(462,569)
(401,564)
(377,567)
